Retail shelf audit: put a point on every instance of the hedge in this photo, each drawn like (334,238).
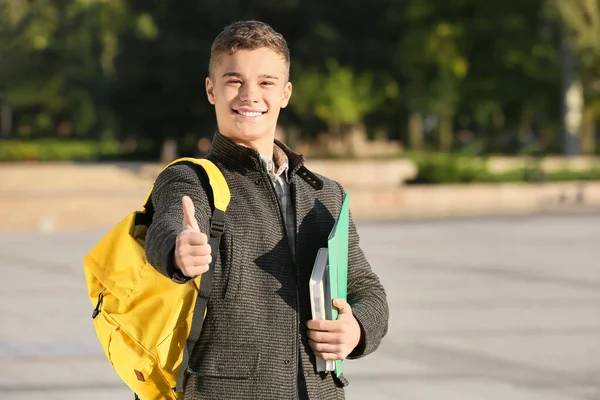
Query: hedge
(448,168)
(57,150)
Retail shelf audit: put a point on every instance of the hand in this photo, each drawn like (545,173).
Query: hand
(334,340)
(192,251)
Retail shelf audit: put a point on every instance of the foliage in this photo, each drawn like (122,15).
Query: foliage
(135,69)
(437,168)
(582,19)
(339,96)
(55,58)
(58,150)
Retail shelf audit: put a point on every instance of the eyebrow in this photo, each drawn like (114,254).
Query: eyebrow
(238,75)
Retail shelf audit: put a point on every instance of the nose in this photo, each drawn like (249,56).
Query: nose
(249,93)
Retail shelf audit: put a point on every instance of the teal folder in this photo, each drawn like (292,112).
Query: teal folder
(338,262)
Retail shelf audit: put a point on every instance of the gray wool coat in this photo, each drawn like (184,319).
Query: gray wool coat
(254,340)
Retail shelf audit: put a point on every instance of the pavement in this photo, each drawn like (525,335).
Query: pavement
(494,308)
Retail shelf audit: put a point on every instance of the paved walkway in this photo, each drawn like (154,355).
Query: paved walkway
(481,309)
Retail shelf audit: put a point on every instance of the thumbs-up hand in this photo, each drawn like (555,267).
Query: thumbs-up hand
(192,251)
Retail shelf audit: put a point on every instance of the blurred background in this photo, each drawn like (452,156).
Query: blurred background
(98,79)
(445,120)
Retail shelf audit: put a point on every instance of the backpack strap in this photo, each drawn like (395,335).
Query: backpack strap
(221,193)
(221,196)
(217,225)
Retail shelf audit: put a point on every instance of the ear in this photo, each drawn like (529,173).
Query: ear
(287,93)
(210,91)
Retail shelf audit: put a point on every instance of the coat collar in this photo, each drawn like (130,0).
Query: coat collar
(235,156)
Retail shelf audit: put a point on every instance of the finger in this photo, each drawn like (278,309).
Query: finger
(323,325)
(333,349)
(193,271)
(193,255)
(324,337)
(196,255)
(198,239)
(342,306)
(189,215)
(199,260)
(316,324)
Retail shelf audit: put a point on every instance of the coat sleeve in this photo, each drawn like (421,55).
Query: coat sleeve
(366,296)
(169,188)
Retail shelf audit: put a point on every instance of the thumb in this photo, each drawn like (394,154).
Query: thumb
(342,306)
(189,215)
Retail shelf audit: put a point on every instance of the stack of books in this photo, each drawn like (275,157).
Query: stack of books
(329,278)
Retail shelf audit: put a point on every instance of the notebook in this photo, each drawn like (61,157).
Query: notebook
(320,297)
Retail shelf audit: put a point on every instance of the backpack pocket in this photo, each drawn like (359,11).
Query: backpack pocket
(136,366)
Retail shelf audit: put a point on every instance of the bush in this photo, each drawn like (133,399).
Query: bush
(447,168)
(566,175)
(57,150)
(451,168)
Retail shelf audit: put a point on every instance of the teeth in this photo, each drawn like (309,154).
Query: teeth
(250,114)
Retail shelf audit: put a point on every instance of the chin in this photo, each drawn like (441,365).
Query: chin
(244,136)
(252,133)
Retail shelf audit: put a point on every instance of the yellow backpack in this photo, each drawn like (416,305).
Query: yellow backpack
(146,323)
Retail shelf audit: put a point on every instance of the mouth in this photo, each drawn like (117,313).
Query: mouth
(249,114)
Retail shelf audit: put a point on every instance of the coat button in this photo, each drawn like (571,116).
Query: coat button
(287,362)
(257,182)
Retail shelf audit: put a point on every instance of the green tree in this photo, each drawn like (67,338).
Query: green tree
(339,95)
(55,56)
(581,60)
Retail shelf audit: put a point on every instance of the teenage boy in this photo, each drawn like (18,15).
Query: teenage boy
(258,340)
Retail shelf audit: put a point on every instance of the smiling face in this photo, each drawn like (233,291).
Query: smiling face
(248,89)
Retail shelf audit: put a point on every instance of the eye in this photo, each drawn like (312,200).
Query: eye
(234,82)
(267,83)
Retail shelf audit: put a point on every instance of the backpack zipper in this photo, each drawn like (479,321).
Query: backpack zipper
(98,304)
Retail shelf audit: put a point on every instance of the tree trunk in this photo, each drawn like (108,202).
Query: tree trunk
(526,123)
(5,120)
(588,132)
(445,132)
(573,101)
(415,131)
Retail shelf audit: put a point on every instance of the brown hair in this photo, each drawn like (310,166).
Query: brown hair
(248,35)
